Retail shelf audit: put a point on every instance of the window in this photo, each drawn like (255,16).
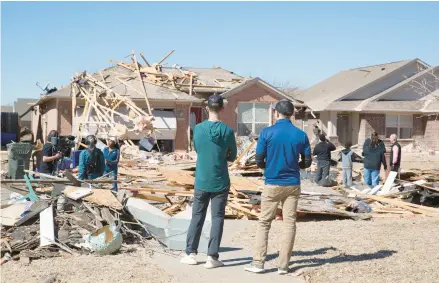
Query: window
(401,125)
(252,118)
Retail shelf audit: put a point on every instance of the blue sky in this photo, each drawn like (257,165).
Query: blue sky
(297,43)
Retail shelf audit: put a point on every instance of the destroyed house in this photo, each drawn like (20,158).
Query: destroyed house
(176,96)
(395,98)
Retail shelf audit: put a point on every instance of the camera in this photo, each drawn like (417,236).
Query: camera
(63,144)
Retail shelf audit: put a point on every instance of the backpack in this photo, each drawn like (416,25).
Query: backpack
(94,163)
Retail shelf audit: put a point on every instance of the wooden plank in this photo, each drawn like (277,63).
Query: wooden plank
(47,227)
(141,82)
(104,198)
(144,59)
(153,197)
(161,191)
(242,209)
(76,193)
(389,182)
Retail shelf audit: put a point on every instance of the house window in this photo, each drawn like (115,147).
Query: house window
(253,117)
(401,125)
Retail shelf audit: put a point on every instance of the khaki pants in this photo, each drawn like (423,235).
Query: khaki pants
(288,196)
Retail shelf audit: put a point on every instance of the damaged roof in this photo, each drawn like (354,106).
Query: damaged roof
(321,95)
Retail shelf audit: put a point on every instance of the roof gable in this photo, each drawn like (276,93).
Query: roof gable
(343,84)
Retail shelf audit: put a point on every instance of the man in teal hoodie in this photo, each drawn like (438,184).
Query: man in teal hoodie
(215,144)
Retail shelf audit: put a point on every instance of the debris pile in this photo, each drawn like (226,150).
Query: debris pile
(52,217)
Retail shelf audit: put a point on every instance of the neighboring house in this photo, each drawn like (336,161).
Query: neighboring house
(394,98)
(7,108)
(21,106)
(177,110)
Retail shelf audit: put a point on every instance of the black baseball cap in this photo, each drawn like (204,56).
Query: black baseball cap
(284,107)
(215,101)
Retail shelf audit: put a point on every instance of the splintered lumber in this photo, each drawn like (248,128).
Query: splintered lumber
(141,82)
(429,211)
(138,173)
(242,209)
(244,152)
(161,191)
(104,198)
(420,185)
(153,197)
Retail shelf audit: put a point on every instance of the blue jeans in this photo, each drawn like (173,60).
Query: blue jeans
(371,177)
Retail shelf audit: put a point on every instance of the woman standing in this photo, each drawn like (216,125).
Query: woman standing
(111,155)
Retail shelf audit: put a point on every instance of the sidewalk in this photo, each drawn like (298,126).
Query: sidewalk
(235,259)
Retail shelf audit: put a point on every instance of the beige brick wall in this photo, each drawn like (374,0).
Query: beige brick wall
(181,139)
(65,117)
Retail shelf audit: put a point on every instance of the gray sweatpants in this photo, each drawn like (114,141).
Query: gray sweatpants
(347,177)
(199,209)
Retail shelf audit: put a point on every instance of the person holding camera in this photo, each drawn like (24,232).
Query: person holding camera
(47,165)
(91,160)
(323,151)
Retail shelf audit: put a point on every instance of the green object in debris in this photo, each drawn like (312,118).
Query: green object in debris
(18,159)
(31,195)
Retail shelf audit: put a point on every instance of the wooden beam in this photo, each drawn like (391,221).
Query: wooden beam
(144,59)
(141,82)
(166,57)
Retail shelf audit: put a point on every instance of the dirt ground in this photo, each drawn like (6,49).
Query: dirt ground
(383,250)
(129,266)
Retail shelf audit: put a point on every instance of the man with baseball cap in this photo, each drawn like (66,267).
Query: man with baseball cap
(215,144)
(278,151)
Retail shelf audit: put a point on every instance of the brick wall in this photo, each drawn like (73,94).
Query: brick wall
(254,93)
(431,133)
(369,123)
(181,139)
(65,117)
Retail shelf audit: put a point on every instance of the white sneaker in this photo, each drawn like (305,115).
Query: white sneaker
(281,271)
(255,268)
(189,259)
(213,263)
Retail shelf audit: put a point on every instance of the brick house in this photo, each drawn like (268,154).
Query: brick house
(176,110)
(395,98)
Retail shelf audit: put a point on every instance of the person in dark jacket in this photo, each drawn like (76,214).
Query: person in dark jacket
(47,165)
(395,154)
(91,160)
(347,157)
(323,151)
(373,152)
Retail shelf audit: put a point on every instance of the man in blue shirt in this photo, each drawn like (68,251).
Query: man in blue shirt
(278,151)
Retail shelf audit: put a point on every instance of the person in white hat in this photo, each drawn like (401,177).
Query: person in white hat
(111,155)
